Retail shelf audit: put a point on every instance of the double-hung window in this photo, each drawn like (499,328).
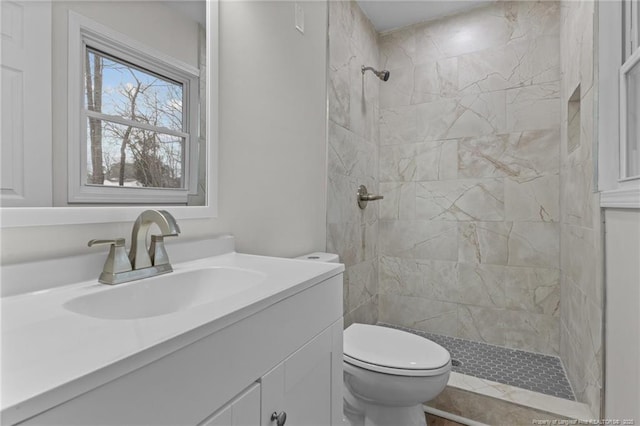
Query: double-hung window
(630,94)
(619,103)
(133,120)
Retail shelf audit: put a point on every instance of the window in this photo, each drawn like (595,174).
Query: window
(134,132)
(619,104)
(630,118)
(630,95)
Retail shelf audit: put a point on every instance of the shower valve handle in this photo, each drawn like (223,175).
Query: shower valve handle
(364,197)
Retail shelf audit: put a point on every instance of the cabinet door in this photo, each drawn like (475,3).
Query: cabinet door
(242,411)
(307,385)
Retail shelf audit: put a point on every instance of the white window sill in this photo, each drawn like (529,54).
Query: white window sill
(621,198)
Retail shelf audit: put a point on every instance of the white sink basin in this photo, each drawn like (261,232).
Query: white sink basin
(165,294)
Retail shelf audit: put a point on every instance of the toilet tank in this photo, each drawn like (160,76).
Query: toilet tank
(321,257)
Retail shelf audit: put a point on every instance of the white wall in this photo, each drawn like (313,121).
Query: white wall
(622,322)
(272,148)
(273,126)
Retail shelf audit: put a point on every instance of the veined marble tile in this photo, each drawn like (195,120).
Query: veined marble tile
(540,59)
(473,115)
(481,285)
(419,239)
(427,45)
(583,41)
(401,277)
(397,48)
(364,115)
(531,19)
(533,332)
(574,313)
(346,240)
(339,97)
(398,163)
(340,30)
(399,200)
(466,382)
(594,338)
(349,154)
(425,161)
(339,187)
(531,108)
(370,232)
(435,80)
(536,400)
(460,200)
(511,66)
(489,70)
(579,258)
(521,154)
(437,160)
(472,31)
(418,313)
(481,324)
(535,290)
(532,199)
(577,194)
(550,90)
(435,119)
(398,125)
(430,279)
(364,38)
(484,242)
(363,283)
(398,90)
(516,329)
(534,244)
(440,279)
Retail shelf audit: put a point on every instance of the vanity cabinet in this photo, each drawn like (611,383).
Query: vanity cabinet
(286,357)
(243,410)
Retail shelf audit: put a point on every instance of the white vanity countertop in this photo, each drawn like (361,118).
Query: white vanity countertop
(50,354)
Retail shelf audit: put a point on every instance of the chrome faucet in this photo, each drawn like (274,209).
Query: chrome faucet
(142,262)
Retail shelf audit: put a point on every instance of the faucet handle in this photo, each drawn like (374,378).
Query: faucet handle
(117,261)
(118,242)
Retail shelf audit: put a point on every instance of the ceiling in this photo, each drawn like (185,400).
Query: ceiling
(387,15)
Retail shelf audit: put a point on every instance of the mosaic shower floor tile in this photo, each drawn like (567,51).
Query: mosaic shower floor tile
(526,370)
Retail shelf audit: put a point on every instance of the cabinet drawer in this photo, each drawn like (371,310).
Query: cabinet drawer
(244,410)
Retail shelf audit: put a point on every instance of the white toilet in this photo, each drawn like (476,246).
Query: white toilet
(388,374)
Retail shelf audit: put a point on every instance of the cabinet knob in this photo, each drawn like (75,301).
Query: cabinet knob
(279,418)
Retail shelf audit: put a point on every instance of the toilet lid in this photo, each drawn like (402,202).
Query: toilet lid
(391,348)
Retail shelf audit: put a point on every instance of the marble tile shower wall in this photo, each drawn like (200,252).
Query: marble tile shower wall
(353,156)
(580,238)
(469,167)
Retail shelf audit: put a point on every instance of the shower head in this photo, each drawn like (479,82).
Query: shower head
(382,75)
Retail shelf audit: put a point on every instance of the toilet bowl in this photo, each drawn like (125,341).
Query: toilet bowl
(389,374)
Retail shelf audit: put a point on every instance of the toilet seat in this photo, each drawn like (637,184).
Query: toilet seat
(390,351)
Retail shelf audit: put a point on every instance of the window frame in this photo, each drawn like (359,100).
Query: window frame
(632,62)
(613,50)
(85,33)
